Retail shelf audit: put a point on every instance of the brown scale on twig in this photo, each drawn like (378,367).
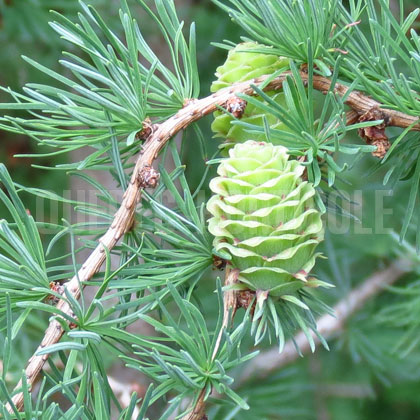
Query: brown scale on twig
(148,177)
(375,135)
(304,175)
(246,298)
(219,263)
(148,129)
(236,106)
(56,287)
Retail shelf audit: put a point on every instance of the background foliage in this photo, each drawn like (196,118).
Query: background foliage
(371,370)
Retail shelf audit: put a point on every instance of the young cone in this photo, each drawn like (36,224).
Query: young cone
(242,64)
(265,218)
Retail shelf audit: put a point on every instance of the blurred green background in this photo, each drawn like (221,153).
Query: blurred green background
(339,385)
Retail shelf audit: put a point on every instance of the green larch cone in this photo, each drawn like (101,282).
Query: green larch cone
(264,216)
(240,66)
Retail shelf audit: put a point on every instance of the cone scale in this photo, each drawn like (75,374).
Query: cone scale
(242,64)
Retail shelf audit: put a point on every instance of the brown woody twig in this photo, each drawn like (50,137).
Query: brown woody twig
(143,171)
(230,304)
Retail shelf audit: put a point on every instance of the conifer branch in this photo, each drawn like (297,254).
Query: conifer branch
(230,304)
(197,412)
(271,360)
(144,176)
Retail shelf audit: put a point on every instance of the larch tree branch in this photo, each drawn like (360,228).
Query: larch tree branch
(230,304)
(145,176)
(271,360)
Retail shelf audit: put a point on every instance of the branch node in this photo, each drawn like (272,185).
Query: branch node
(148,177)
(236,106)
(246,298)
(56,287)
(375,135)
(147,131)
(72,325)
(219,263)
